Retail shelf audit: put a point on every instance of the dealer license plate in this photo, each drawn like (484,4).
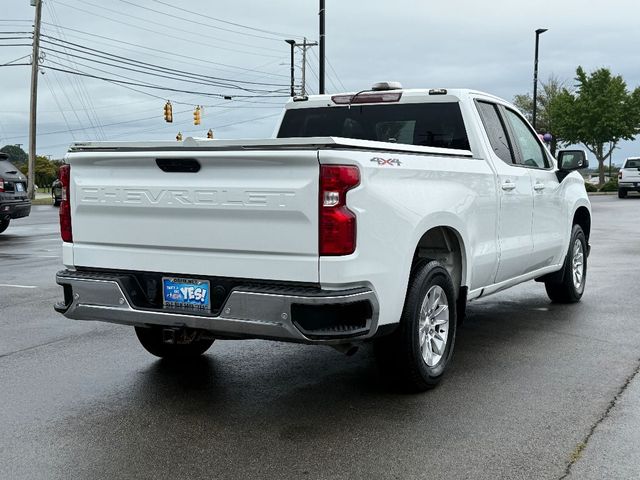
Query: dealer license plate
(19,187)
(186,294)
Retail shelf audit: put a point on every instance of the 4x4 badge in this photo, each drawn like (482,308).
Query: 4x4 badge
(386,161)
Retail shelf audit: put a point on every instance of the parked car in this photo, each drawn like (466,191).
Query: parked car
(56,192)
(629,177)
(372,216)
(14,202)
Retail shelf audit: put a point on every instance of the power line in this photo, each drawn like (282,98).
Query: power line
(78,84)
(107,55)
(55,98)
(159,87)
(164,128)
(172,27)
(242,121)
(68,99)
(12,61)
(344,89)
(200,14)
(188,80)
(164,34)
(336,89)
(165,52)
(251,74)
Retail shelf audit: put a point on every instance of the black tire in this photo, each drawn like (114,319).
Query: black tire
(56,203)
(151,339)
(569,289)
(4,224)
(622,193)
(400,354)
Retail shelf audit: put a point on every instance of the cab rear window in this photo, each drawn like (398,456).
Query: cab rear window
(632,163)
(425,124)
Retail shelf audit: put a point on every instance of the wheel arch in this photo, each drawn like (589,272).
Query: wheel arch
(445,244)
(582,217)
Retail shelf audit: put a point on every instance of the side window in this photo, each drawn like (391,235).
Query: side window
(496,132)
(530,148)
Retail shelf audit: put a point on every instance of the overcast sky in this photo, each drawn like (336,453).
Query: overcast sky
(458,43)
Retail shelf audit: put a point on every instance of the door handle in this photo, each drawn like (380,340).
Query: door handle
(508,186)
(538,187)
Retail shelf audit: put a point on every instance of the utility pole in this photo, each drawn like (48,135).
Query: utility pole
(34,98)
(322,35)
(305,45)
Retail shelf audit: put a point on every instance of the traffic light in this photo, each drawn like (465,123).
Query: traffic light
(179,136)
(168,112)
(196,116)
(210,134)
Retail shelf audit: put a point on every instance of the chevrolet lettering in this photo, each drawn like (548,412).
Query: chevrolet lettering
(148,197)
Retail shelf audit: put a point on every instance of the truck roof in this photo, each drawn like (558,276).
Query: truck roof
(409,95)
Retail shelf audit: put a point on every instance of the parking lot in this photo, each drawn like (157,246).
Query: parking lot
(530,382)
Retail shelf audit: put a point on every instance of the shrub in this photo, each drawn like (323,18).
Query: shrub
(590,187)
(610,186)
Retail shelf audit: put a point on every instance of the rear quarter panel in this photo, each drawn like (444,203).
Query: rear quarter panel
(396,204)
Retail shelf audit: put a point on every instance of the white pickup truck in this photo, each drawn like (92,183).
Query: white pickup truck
(370,217)
(629,177)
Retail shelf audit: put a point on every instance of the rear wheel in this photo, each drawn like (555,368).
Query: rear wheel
(622,193)
(4,224)
(417,354)
(571,287)
(185,345)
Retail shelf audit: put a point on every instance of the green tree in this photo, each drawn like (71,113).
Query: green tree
(45,171)
(544,120)
(599,114)
(17,156)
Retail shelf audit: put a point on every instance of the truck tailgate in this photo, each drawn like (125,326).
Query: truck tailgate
(630,174)
(242,214)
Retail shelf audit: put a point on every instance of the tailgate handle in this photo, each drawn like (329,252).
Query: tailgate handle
(175,165)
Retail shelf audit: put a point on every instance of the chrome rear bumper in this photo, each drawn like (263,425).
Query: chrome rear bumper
(248,312)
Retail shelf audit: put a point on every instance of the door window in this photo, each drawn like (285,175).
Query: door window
(496,132)
(530,148)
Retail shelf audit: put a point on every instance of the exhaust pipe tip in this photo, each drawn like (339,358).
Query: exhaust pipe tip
(348,349)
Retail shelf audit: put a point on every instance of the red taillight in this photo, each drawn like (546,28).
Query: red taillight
(65,204)
(1,185)
(337,222)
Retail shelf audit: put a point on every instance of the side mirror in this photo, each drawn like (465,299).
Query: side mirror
(570,160)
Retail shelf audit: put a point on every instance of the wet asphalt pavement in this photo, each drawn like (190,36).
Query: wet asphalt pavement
(529,382)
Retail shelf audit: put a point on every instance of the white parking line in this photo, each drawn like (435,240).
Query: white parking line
(17,286)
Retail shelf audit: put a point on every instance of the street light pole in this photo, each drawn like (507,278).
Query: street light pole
(322,38)
(293,45)
(539,32)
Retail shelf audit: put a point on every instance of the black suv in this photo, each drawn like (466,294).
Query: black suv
(14,202)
